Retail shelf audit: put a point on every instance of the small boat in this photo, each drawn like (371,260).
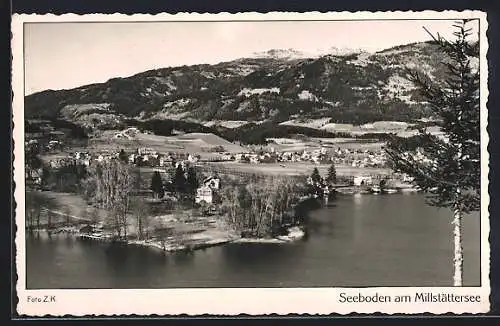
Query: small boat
(390,191)
(375,189)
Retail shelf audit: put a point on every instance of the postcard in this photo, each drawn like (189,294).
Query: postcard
(225,164)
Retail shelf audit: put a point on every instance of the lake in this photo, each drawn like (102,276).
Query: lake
(364,240)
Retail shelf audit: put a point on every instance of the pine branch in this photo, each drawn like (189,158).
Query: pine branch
(414,167)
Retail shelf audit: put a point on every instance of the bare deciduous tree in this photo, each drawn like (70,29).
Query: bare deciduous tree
(258,207)
(109,185)
(140,211)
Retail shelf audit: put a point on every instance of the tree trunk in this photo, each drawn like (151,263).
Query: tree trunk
(139,227)
(458,250)
(49,220)
(38,220)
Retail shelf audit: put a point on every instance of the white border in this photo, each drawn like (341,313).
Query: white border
(254,301)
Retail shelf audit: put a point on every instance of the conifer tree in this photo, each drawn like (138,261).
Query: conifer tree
(315,176)
(332,174)
(315,188)
(448,168)
(157,185)
(179,180)
(191,181)
(123,156)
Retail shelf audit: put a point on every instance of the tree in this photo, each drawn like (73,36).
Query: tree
(260,208)
(179,180)
(316,184)
(315,176)
(123,156)
(67,216)
(448,168)
(332,174)
(32,158)
(191,181)
(109,185)
(382,184)
(34,203)
(140,211)
(50,216)
(157,185)
(94,216)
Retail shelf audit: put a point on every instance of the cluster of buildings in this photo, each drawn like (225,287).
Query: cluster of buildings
(345,156)
(359,158)
(50,145)
(316,156)
(130,133)
(141,157)
(151,158)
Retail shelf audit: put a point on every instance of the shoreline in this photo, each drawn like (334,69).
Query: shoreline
(207,240)
(295,234)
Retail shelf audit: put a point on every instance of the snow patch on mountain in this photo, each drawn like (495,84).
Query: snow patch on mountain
(290,54)
(307,96)
(231,124)
(251,91)
(362,60)
(399,87)
(281,54)
(243,70)
(179,102)
(309,123)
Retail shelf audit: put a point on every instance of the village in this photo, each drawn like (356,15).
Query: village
(364,164)
(149,157)
(203,180)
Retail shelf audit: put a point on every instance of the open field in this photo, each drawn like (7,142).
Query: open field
(231,124)
(292,169)
(196,143)
(401,129)
(296,145)
(324,124)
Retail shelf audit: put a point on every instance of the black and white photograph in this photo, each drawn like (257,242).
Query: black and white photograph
(252,152)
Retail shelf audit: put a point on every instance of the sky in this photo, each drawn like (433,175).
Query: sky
(68,55)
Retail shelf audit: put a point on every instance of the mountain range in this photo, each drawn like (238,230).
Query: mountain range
(276,86)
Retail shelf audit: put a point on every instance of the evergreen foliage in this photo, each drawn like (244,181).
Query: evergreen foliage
(191,181)
(448,168)
(449,165)
(157,185)
(179,180)
(332,174)
(315,176)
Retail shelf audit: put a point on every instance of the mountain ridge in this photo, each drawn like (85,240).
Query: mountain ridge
(349,88)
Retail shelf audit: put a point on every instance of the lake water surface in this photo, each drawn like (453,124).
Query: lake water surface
(366,240)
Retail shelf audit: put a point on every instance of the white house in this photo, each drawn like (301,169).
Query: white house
(206,191)
(204,194)
(254,159)
(192,158)
(212,183)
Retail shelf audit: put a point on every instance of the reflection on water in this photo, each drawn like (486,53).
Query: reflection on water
(361,240)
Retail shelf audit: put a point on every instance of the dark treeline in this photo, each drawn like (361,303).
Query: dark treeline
(166,127)
(407,143)
(257,133)
(73,130)
(251,133)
